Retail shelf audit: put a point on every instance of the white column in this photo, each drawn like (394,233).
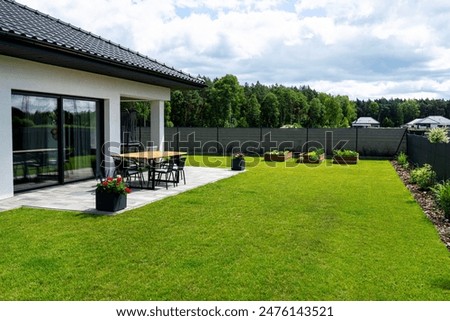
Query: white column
(6,156)
(112,132)
(157,124)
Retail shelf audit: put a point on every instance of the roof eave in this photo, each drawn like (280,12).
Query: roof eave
(48,53)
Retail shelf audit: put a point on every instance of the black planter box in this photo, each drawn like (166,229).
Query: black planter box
(238,164)
(110,202)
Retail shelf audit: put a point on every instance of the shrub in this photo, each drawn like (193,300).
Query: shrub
(402,160)
(345,153)
(424,177)
(438,135)
(442,194)
(277,152)
(315,154)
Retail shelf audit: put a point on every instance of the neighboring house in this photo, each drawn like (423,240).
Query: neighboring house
(412,123)
(429,122)
(365,122)
(60,94)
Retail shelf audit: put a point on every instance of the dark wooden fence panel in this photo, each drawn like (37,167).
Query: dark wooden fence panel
(369,142)
(421,151)
(381,141)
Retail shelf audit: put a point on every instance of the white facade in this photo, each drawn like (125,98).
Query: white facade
(24,75)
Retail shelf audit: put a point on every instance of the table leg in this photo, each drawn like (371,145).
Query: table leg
(151,176)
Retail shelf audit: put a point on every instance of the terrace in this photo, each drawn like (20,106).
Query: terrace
(81,196)
(286,231)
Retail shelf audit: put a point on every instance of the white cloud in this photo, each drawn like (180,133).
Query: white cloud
(362,48)
(388,89)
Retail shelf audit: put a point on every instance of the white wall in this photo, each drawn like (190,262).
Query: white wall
(18,74)
(6,185)
(157,124)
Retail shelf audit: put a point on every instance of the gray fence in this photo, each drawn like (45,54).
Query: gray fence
(369,142)
(421,151)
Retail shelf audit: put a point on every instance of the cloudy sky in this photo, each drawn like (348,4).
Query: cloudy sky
(360,48)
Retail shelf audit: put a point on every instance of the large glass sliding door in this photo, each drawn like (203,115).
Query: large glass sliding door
(80,138)
(55,140)
(35,141)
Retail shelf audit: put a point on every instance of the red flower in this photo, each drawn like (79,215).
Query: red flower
(113,185)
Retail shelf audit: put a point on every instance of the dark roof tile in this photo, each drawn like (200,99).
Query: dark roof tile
(25,22)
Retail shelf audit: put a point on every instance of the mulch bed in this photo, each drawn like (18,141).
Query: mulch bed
(426,200)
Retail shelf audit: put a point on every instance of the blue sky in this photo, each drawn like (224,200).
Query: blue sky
(360,48)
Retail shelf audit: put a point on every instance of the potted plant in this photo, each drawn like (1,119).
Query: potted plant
(345,156)
(277,156)
(238,162)
(111,195)
(312,157)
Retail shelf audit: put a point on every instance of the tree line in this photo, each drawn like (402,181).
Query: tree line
(396,112)
(226,103)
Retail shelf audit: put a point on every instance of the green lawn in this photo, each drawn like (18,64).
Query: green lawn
(272,233)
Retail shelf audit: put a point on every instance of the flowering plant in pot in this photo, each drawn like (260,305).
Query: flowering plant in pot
(111,194)
(238,162)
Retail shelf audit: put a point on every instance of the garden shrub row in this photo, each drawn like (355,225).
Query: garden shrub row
(425,178)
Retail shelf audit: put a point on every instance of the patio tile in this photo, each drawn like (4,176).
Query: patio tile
(81,196)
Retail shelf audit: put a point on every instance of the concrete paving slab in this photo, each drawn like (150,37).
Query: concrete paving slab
(81,196)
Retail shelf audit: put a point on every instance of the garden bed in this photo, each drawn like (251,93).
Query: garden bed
(277,157)
(345,156)
(345,160)
(307,159)
(428,204)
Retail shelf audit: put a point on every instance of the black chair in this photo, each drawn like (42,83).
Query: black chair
(127,169)
(166,169)
(179,168)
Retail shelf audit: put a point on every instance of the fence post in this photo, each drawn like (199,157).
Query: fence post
(178,138)
(217,142)
(401,141)
(307,141)
(260,141)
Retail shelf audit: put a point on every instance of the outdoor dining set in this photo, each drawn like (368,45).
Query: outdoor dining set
(149,168)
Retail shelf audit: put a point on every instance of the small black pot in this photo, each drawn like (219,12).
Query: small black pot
(110,202)
(238,164)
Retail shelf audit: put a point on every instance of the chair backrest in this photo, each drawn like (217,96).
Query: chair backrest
(181,163)
(118,164)
(170,165)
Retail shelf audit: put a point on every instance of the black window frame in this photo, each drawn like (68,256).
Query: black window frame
(100,132)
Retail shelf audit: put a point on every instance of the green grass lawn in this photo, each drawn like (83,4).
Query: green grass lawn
(272,233)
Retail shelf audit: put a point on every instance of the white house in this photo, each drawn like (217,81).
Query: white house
(60,94)
(429,122)
(365,122)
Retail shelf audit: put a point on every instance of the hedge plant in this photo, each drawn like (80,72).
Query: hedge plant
(423,176)
(442,193)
